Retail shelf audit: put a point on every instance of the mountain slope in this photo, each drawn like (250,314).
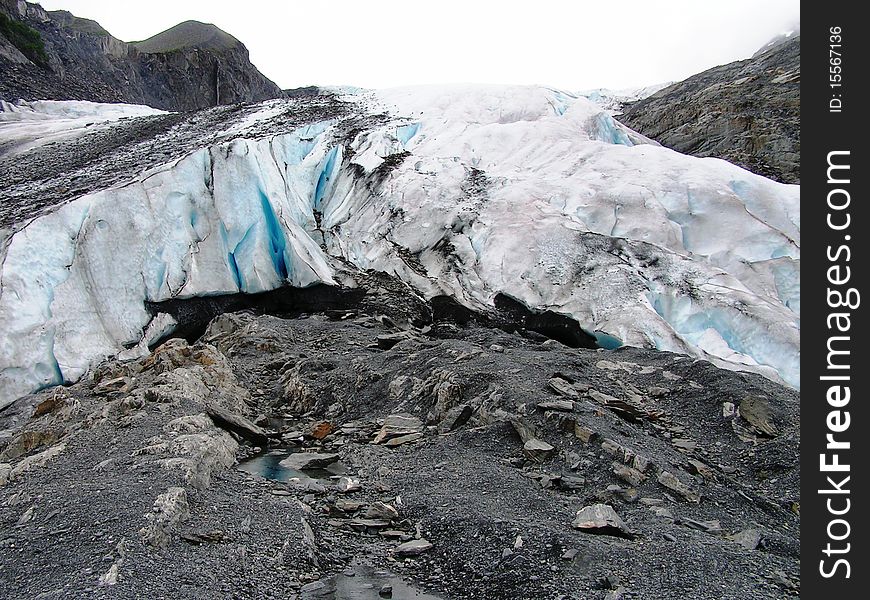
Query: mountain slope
(746,112)
(492,196)
(189,34)
(190,66)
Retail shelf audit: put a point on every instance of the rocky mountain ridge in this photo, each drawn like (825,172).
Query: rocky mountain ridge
(746,112)
(202,67)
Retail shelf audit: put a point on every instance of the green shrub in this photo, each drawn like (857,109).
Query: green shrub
(26,39)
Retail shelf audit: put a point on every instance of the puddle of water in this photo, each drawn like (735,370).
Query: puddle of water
(268,466)
(365,584)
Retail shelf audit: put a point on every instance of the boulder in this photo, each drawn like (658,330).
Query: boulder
(300,461)
(601,519)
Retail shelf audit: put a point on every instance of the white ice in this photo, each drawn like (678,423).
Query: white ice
(26,125)
(522,190)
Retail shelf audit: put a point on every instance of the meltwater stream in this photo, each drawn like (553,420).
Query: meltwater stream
(268,466)
(363,582)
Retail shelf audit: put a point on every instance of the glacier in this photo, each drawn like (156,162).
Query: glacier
(465,191)
(27,125)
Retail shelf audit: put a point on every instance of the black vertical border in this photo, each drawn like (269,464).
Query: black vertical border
(823,131)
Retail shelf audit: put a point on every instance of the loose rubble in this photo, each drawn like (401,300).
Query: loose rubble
(459,470)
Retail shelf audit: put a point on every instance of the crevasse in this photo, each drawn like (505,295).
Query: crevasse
(253,215)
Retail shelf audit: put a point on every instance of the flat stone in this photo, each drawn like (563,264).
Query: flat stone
(397,426)
(629,475)
(561,405)
(538,450)
(756,411)
(366,523)
(381,510)
(301,461)
(348,505)
(685,444)
(601,519)
(346,485)
(568,482)
(562,387)
(584,434)
(701,469)
(320,430)
(670,481)
(455,418)
(388,340)
(748,538)
(238,425)
(403,439)
(395,534)
(413,548)
(712,526)
(661,511)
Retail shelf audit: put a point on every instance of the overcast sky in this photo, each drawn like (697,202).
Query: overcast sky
(573,45)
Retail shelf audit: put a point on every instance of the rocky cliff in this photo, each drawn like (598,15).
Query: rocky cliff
(747,112)
(190,66)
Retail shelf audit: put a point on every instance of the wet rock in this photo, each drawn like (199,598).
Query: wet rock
(601,519)
(397,426)
(670,481)
(413,548)
(538,450)
(238,425)
(386,591)
(301,461)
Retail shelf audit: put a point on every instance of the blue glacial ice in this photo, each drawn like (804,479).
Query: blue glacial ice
(251,215)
